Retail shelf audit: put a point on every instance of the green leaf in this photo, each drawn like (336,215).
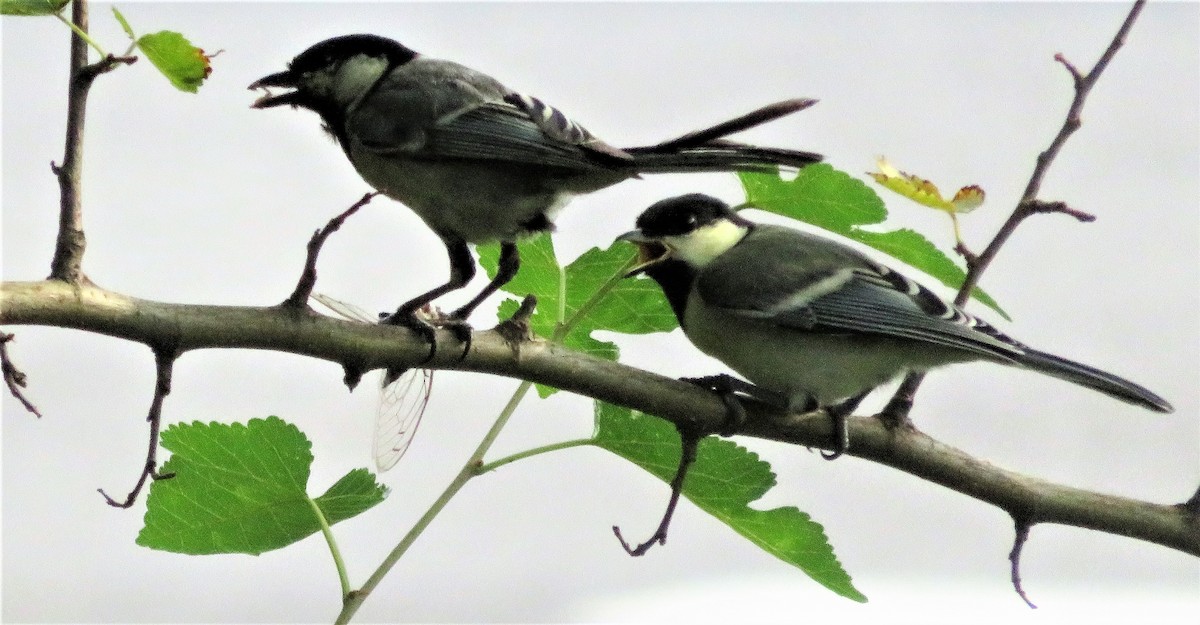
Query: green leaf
(723,482)
(921,253)
(242,489)
(31,7)
(124,23)
(185,65)
(840,203)
(819,195)
(626,306)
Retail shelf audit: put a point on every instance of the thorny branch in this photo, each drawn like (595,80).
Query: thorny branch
(88,308)
(14,378)
(895,414)
(164,362)
(374,346)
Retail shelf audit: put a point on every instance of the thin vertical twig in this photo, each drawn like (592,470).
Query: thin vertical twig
(67,263)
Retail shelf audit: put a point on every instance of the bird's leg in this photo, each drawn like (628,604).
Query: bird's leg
(841,434)
(462,269)
(727,388)
(689,438)
(506,270)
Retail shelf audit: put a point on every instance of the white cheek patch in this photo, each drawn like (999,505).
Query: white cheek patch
(353,78)
(700,246)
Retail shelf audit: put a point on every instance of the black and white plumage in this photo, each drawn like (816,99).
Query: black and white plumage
(477,161)
(814,320)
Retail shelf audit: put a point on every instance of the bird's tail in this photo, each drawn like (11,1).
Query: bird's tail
(1094,379)
(707,149)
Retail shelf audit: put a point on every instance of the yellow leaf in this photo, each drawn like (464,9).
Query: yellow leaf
(968,198)
(923,191)
(912,187)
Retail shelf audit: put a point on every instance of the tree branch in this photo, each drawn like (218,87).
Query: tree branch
(896,410)
(1029,204)
(365,346)
(67,264)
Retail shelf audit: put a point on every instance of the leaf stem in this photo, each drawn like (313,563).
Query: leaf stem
(469,470)
(496,464)
(338,562)
(475,465)
(561,314)
(586,309)
(82,34)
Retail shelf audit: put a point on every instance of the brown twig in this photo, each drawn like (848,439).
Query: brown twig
(1014,557)
(1029,204)
(1040,206)
(14,377)
(67,264)
(308,277)
(164,362)
(689,439)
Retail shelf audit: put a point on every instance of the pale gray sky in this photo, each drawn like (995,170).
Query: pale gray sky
(198,198)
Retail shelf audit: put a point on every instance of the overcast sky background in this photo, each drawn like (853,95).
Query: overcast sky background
(199,199)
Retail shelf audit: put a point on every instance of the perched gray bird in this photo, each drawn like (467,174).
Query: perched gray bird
(477,161)
(814,321)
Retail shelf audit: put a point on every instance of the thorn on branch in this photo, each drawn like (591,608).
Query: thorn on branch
(1192,506)
(352,376)
(690,440)
(1040,206)
(971,258)
(515,330)
(107,64)
(14,378)
(308,277)
(1014,556)
(164,361)
(1075,75)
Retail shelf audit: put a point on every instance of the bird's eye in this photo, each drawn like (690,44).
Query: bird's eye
(692,221)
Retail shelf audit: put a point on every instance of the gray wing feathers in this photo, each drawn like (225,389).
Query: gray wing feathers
(803,282)
(469,115)
(869,307)
(498,131)
(782,262)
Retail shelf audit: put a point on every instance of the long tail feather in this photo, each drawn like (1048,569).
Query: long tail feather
(1095,379)
(719,156)
(707,150)
(757,117)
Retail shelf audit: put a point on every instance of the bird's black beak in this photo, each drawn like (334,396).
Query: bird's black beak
(285,80)
(650,251)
